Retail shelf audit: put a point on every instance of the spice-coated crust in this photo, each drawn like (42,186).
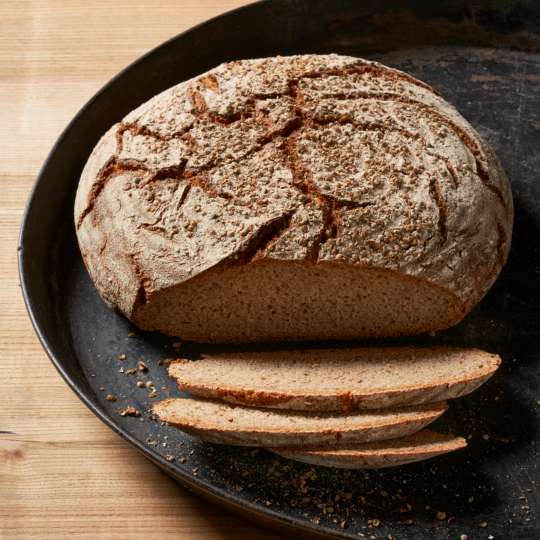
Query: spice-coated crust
(177,412)
(420,446)
(317,159)
(376,398)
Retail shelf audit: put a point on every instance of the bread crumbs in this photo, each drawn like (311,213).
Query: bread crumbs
(141,366)
(130,411)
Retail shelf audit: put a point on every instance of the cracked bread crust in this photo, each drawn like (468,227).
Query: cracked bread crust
(315,159)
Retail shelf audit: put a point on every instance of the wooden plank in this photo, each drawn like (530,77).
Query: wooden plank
(63,474)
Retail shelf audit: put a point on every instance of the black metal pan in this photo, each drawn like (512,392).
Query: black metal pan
(484,57)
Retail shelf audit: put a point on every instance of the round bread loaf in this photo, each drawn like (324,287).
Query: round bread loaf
(293,198)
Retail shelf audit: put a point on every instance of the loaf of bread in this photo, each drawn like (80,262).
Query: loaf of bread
(293,198)
(337,379)
(219,422)
(423,445)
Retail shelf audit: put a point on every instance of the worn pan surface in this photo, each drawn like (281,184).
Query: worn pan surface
(484,58)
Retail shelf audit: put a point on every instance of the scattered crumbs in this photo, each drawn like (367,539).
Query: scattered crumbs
(343,525)
(316,520)
(469,437)
(149,384)
(111,397)
(151,442)
(441,516)
(483,524)
(373,522)
(485,436)
(538,402)
(102,388)
(121,370)
(140,384)
(122,357)
(131,334)
(169,458)
(152,394)
(268,503)
(130,411)
(177,344)
(409,521)
(130,371)
(195,471)
(491,537)
(463,537)
(470,499)
(141,366)
(183,459)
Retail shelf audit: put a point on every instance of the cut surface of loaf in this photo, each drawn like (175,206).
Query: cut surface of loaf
(222,423)
(337,379)
(423,445)
(294,198)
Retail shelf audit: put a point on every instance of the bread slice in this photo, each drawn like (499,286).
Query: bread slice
(337,379)
(219,422)
(377,455)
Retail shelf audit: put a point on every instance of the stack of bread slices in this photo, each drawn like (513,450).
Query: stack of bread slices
(350,408)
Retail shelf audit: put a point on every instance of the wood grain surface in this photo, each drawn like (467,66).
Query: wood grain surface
(63,474)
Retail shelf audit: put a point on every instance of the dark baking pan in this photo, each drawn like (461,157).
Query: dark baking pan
(484,57)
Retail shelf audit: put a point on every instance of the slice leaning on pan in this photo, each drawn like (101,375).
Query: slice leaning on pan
(377,455)
(220,422)
(337,379)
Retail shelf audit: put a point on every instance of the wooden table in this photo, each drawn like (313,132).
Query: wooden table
(63,474)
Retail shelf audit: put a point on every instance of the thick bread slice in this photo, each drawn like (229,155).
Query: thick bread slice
(377,455)
(337,379)
(219,422)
